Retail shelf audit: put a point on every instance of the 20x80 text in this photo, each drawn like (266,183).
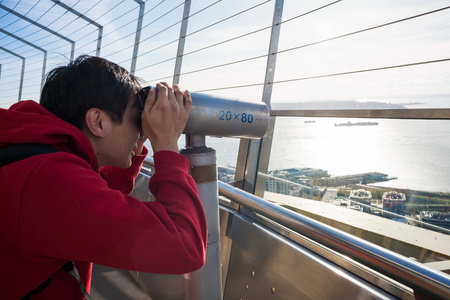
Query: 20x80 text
(229,116)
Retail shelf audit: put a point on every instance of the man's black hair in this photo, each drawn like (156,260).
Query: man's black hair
(88,82)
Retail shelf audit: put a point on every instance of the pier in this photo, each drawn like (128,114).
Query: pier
(363,178)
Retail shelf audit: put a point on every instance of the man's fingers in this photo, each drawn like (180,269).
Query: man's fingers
(178,94)
(187,100)
(150,101)
(164,90)
(170,93)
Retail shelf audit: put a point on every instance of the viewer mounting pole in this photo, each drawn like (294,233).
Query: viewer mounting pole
(215,116)
(206,283)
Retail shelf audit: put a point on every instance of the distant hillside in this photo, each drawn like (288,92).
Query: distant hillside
(349,104)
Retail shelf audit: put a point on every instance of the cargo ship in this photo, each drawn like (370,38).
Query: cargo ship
(356,124)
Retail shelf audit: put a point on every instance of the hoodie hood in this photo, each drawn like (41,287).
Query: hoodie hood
(29,122)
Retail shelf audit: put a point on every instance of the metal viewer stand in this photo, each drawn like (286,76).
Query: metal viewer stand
(225,118)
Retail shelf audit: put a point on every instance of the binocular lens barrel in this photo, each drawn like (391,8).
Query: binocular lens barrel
(215,116)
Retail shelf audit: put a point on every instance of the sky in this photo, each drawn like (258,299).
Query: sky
(227,45)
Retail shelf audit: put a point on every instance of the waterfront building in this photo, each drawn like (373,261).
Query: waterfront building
(394,202)
(280,186)
(225,174)
(435,219)
(362,196)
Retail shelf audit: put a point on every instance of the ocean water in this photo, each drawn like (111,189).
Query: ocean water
(416,152)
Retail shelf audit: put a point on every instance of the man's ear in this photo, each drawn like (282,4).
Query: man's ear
(95,121)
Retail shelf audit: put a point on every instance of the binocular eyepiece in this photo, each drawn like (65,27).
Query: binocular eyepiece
(142,96)
(214,116)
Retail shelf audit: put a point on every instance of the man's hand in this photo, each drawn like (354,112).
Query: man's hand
(164,119)
(140,144)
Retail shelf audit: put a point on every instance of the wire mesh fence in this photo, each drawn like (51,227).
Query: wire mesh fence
(326,50)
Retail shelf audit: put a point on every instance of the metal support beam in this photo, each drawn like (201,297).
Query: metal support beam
(182,41)
(42,27)
(21,73)
(416,113)
(254,155)
(80,15)
(44,63)
(138,36)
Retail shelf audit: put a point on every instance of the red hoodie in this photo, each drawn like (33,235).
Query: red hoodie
(58,207)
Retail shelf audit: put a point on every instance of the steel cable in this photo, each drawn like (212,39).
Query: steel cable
(209,26)
(334,74)
(279,52)
(18,18)
(235,38)
(322,41)
(306,45)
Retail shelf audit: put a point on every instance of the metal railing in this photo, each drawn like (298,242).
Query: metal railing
(420,278)
(417,114)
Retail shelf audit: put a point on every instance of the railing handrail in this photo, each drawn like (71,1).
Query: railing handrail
(416,113)
(419,277)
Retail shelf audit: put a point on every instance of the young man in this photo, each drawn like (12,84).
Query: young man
(73,205)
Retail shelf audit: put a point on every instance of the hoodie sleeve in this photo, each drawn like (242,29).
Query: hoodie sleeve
(123,179)
(77,216)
